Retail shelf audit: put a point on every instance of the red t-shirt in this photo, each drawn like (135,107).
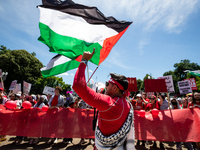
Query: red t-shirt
(146,100)
(138,105)
(54,101)
(192,104)
(152,106)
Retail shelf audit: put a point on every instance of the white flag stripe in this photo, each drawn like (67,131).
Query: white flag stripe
(73,26)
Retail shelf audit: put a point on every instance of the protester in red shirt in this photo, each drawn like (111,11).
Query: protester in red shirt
(195,101)
(138,104)
(115,112)
(184,103)
(144,98)
(154,103)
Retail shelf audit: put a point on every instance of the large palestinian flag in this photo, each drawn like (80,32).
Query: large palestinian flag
(70,29)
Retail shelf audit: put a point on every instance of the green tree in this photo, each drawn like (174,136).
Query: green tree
(20,65)
(179,75)
(139,83)
(4,50)
(51,82)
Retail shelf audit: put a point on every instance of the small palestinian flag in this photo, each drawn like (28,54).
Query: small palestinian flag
(195,73)
(70,29)
(60,64)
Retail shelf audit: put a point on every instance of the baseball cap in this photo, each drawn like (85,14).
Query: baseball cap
(139,95)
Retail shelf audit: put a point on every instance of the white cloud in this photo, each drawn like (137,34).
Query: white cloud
(142,43)
(167,14)
(64,74)
(116,59)
(90,71)
(72,74)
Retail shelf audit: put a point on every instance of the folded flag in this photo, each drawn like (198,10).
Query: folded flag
(60,64)
(70,29)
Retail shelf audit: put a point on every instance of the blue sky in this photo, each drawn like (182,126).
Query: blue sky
(163,33)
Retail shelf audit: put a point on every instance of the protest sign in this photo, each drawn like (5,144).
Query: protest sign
(192,82)
(49,90)
(184,87)
(17,88)
(26,88)
(132,84)
(155,85)
(169,83)
(0,73)
(13,84)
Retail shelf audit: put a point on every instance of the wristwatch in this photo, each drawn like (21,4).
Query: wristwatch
(84,61)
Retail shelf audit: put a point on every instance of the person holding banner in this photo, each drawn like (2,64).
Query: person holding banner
(195,101)
(175,105)
(144,98)
(138,105)
(3,98)
(56,101)
(115,122)
(185,103)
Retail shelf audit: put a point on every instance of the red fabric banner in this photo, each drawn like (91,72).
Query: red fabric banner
(155,85)
(169,125)
(132,84)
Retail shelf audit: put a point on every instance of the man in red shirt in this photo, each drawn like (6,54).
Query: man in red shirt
(115,122)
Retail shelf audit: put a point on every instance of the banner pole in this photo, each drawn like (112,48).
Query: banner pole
(168,100)
(2,83)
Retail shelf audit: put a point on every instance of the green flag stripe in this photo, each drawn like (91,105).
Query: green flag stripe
(67,46)
(60,68)
(194,73)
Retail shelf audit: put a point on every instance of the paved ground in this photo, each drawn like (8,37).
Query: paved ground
(7,145)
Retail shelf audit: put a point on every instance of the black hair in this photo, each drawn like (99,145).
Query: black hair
(121,79)
(58,88)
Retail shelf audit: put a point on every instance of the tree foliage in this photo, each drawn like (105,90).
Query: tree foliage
(179,75)
(51,82)
(24,66)
(20,65)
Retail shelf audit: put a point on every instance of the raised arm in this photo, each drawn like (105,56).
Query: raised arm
(97,100)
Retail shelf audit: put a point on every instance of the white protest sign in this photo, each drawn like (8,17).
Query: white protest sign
(169,83)
(26,88)
(49,90)
(0,73)
(184,87)
(13,84)
(17,88)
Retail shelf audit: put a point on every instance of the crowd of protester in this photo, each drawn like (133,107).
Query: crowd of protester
(139,102)
(160,101)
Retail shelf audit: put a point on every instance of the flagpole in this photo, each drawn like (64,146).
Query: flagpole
(92,74)
(168,100)
(2,83)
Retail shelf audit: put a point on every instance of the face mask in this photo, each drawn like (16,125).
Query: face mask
(174,103)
